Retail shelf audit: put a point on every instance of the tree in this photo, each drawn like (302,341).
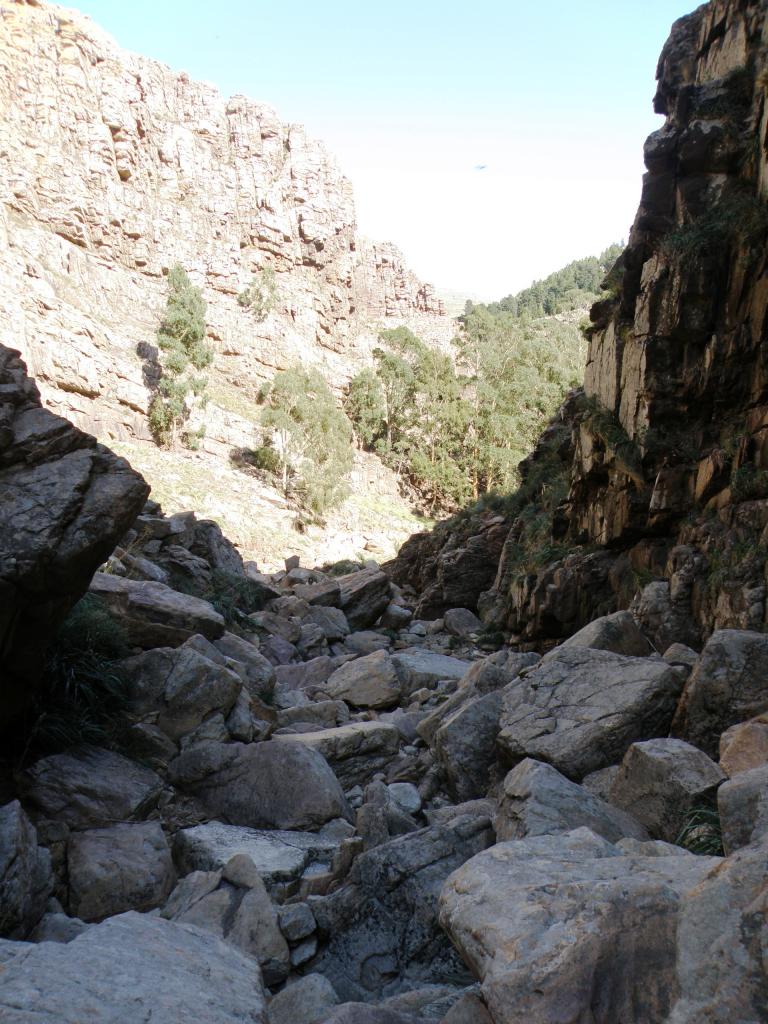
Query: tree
(181,339)
(260,296)
(311,436)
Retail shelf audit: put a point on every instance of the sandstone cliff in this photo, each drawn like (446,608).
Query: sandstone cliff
(667,448)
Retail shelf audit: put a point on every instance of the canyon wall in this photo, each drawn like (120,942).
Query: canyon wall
(112,168)
(664,455)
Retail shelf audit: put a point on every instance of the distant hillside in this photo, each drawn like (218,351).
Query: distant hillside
(575,286)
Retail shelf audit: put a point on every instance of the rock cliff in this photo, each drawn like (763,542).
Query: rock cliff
(666,447)
(114,167)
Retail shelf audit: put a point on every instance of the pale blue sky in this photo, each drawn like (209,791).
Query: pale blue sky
(554,98)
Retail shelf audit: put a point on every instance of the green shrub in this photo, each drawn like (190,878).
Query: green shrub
(181,339)
(737,216)
(702,832)
(83,693)
(260,297)
(748,483)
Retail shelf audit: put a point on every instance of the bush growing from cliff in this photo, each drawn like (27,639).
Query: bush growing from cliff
(260,297)
(181,339)
(311,438)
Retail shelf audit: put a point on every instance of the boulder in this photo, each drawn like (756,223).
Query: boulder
(355,752)
(720,944)
(276,784)
(279,856)
(131,969)
(727,686)
(296,921)
(418,667)
(536,800)
(744,746)
(26,881)
(67,501)
(307,675)
(465,745)
(234,904)
(125,867)
(306,1000)
(366,642)
(331,621)
(364,1013)
(581,709)
(381,927)
(154,615)
(257,673)
(89,787)
(179,688)
(368,682)
(363,596)
(325,593)
(618,633)
(470,1009)
(743,805)
(569,927)
(661,781)
(461,622)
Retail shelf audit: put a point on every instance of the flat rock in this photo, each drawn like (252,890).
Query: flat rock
(418,667)
(325,593)
(743,805)
(154,615)
(276,784)
(660,781)
(726,687)
(278,855)
(131,969)
(125,867)
(355,752)
(581,709)
(90,787)
(26,880)
(368,682)
(536,800)
(568,928)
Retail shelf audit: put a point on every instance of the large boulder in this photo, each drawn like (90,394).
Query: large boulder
(382,928)
(465,745)
(661,781)
(25,874)
(355,752)
(125,867)
(90,787)
(618,633)
(744,746)
(728,685)
(257,673)
(369,682)
(363,596)
(536,800)
(581,709)
(307,1000)
(66,503)
(743,806)
(154,615)
(570,928)
(419,667)
(721,974)
(264,785)
(131,969)
(178,688)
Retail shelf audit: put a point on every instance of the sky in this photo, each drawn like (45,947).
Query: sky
(492,141)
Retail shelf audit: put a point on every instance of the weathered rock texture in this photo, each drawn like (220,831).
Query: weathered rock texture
(66,501)
(113,168)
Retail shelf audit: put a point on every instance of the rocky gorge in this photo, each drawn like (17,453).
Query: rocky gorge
(486,783)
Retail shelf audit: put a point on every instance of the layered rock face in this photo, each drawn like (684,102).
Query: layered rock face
(113,168)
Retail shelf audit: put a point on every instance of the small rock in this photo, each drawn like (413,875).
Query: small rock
(304,952)
(296,921)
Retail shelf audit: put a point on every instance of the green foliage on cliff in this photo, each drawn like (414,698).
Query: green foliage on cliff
(310,437)
(181,340)
(260,297)
(575,286)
